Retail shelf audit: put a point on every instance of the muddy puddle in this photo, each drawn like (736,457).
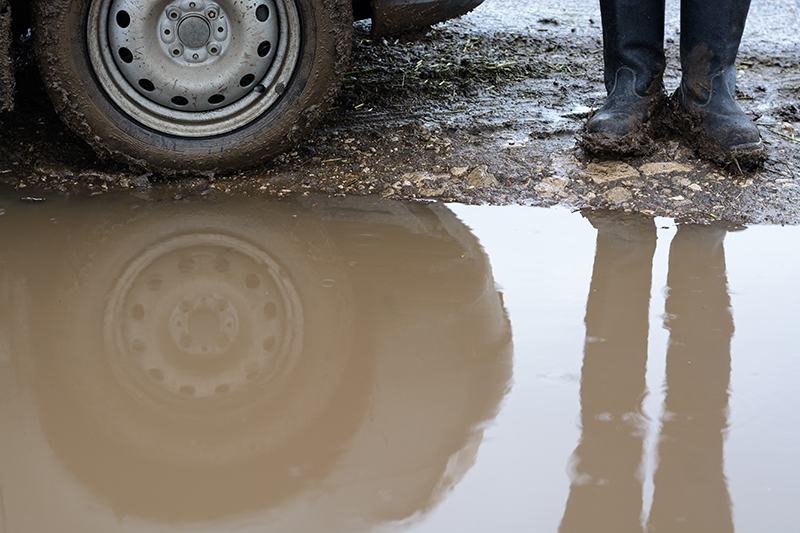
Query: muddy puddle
(349,364)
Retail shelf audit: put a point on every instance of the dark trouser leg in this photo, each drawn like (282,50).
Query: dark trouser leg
(633,53)
(711,31)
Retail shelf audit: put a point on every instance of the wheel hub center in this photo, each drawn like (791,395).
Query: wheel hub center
(204,324)
(154,49)
(194,32)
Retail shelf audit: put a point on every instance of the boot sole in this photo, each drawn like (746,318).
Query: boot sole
(601,144)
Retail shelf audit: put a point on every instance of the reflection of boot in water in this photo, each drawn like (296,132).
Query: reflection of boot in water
(606,493)
(691,493)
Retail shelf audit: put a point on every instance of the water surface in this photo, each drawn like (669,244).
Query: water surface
(347,364)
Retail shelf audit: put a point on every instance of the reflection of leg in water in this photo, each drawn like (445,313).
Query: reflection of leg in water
(606,492)
(691,493)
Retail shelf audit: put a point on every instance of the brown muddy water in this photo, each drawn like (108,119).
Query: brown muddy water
(318,364)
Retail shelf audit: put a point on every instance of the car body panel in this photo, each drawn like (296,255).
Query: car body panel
(394,17)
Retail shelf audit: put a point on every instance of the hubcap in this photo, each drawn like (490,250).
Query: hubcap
(194,32)
(194,68)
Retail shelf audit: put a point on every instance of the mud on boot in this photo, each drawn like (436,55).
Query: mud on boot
(628,121)
(713,124)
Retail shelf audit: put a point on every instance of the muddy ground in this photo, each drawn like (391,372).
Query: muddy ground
(485,109)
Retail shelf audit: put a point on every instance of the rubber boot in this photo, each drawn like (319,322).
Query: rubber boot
(633,54)
(712,121)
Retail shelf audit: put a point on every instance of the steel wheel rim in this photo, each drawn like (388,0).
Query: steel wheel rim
(194,68)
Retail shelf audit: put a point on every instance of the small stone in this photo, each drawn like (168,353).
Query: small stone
(695,187)
(618,195)
(655,169)
(459,171)
(552,185)
(557,182)
(480,177)
(141,182)
(429,193)
(418,178)
(607,171)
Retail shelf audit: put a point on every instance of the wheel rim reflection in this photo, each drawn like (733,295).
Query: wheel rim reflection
(202,317)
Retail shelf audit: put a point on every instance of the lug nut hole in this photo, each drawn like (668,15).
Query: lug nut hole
(147,85)
(216,99)
(125,55)
(264,48)
(179,101)
(246,80)
(262,13)
(123,19)
(269,344)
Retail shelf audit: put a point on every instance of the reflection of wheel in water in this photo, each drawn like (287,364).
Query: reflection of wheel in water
(208,353)
(159,387)
(202,317)
(205,343)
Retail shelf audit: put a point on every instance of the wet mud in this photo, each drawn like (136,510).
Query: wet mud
(481,110)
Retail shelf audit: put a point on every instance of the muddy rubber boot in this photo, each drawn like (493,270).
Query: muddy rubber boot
(710,118)
(633,55)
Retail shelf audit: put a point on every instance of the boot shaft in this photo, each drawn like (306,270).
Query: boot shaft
(633,38)
(711,31)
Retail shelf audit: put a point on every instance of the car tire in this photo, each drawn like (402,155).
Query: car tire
(221,85)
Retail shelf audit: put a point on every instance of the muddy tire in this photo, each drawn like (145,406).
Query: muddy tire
(173,85)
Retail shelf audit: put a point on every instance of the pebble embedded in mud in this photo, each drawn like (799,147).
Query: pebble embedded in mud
(663,168)
(618,195)
(606,171)
(480,177)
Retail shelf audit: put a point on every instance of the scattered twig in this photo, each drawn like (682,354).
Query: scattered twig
(791,138)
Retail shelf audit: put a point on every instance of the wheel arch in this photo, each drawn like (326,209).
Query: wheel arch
(395,17)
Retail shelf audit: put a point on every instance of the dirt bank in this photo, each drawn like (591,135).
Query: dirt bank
(478,110)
